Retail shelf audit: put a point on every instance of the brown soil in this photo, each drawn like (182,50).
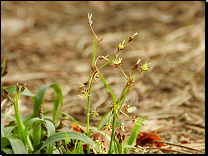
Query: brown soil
(51,42)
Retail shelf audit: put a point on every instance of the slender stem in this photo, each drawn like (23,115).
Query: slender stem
(123,71)
(93,32)
(20,124)
(125,115)
(121,96)
(124,98)
(104,108)
(88,116)
(114,113)
(94,52)
(107,62)
(137,75)
(90,88)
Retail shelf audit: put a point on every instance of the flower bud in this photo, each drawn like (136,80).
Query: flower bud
(5,91)
(121,45)
(23,87)
(17,88)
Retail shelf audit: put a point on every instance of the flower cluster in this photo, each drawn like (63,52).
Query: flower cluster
(84,94)
(145,67)
(117,62)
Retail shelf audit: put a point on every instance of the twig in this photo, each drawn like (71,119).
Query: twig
(177,145)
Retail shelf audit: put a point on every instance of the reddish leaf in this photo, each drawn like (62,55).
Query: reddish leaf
(145,138)
(76,128)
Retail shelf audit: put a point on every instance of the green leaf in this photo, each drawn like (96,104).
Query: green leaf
(9,116)
(134,134)
(72,135)
(58,99)
(26,130)
(50,131)
(104,120)
(20,125)
(2,127)
(36,133)
(78,147)
(71,118)
(7,130)
(4,142)
(67,140)
(114,113)
(129,146)
(11,89)
(117,146)
(8,150)
(17,145)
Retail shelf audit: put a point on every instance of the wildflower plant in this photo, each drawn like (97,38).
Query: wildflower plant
(118,104)
(37,133)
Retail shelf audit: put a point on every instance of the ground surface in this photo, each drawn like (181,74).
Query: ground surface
(51,42)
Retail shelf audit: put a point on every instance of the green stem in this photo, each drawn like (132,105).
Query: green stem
(114,113)
(94,53)
(20,124)
(137,75)
(124,98)
(123,72)
(88,116)
(113,129)
(121,96)
(108,61)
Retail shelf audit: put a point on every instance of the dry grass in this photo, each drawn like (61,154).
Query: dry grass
(50,42)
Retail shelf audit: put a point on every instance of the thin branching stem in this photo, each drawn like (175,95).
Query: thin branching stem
(88,115)
(108,61)
(137,75)
(123,71)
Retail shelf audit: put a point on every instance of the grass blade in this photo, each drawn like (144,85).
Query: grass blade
(17,145)
(11,89)
(72,135)
(71,118)
(37,122)
(38,100)
(7,130)
(104,120)
(134,134)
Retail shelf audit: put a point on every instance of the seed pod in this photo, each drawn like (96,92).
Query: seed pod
(86,83)
(23,88)
(123,137)
(90,22)
(17,88)
(4,70)
(134,67)
(5,91)
(41,111)
(130,39)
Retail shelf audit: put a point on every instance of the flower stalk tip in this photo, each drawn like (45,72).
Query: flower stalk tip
(118,62)
(89,19)
(136,65)
(121,46)
(132,37)
(84,94)
(145,67)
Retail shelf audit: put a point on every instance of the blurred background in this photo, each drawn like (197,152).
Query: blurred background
(51,42)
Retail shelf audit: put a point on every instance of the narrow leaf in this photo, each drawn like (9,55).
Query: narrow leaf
(72,135)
